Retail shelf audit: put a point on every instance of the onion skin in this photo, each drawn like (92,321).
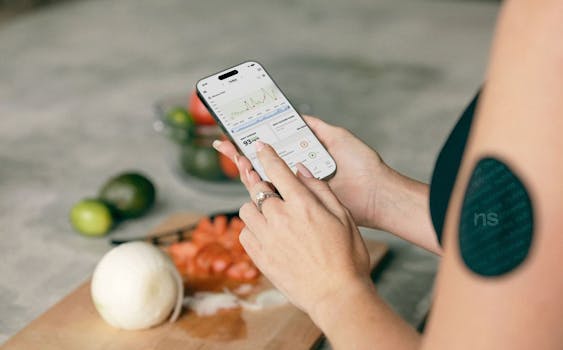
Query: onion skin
(180,295)
(136,286)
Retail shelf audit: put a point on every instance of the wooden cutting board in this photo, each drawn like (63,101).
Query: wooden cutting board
(73,323)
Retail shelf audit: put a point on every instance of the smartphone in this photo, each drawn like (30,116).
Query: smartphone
(249,106)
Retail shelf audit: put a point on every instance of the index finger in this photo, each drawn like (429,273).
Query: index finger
(279,173)
(226,147)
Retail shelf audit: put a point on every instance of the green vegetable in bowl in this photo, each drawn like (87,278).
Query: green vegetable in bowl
(181,124)
(202,162)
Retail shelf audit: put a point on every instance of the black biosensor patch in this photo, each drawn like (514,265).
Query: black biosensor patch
(496,224)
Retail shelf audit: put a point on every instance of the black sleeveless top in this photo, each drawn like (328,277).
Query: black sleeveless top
(447,166)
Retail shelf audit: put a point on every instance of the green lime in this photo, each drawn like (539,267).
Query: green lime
(181,123)
(202,162)
(91,217)
(130,194)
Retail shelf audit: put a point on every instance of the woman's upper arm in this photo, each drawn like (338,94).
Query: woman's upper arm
(517,303)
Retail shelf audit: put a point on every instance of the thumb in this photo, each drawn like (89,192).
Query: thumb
(323,130)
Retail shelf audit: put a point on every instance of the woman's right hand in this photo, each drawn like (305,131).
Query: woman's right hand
(376,195)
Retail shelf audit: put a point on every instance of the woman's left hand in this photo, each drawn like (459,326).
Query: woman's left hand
(307,243)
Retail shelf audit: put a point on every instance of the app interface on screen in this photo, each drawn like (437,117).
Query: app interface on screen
(252,108)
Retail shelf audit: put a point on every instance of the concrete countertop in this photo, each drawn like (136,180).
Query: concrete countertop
(78,81)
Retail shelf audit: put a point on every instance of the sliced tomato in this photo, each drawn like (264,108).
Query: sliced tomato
(220,224)
(228,240)
(242,271)
(236,272)
(236,224)
(251,273)
(209,254)
(182,252)
(183,249)
(204,224)
(203,238)
(191,269)
(221,262)
(214,251)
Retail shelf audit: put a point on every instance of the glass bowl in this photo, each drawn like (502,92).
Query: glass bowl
(191,156)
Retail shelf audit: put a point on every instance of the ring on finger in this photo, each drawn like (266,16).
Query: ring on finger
(262,196)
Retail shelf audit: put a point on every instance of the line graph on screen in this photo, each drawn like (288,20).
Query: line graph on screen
(258,99)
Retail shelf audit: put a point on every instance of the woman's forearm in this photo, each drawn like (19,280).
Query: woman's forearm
(358,318)
(402,208)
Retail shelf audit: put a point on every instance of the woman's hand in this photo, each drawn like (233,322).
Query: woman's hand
(360,170)
(306,243)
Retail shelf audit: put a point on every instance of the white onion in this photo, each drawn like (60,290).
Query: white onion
(137,286)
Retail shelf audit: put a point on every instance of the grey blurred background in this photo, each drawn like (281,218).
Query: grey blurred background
(78,81)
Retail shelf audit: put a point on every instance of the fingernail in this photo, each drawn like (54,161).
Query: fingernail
(236,157)
(216,144)
(247,174)
(259,145)
(302,169)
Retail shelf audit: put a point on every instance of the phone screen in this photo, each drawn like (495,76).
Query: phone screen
(250,107)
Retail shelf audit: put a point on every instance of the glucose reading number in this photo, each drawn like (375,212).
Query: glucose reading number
(249,141)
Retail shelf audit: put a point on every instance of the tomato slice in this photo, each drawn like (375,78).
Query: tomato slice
(213,258)
(182,252)
(221,262)
(220,224)
(242,271)
(183,249)
(251,273)
(191,270)
(204,225)
(236,224)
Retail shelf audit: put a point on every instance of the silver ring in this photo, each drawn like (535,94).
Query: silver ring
(262,196)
